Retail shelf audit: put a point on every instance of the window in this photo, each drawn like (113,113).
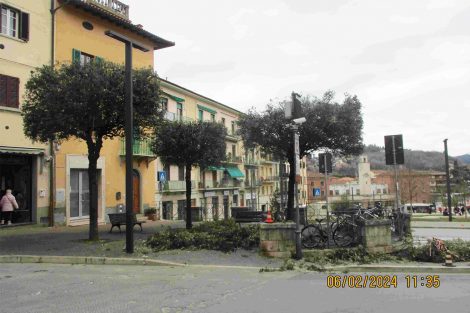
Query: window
(213,117)
(164,104)
(233,128)
(331,192)
(336,192)
(84,58)
(181,173)
(14,23)
(166,168)
(223,121)
(179,111)
(385,191)
(358,192)
(234,150)
(200,115)
(9,91)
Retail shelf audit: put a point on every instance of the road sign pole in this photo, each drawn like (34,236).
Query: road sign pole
(327,203)
(449,194)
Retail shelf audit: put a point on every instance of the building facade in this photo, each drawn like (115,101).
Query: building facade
(25,44)
(80,36)
(247,178)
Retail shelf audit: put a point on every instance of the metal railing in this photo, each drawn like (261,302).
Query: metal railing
(173,117)
(233,158)
(177,185)
(140,147)
(269,179)
(251,161)
(114,6)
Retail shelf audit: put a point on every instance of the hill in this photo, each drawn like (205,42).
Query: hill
(465,159)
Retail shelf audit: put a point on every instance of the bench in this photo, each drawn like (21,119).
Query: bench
(247,216)
(118,219)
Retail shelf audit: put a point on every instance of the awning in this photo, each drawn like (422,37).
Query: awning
(204,108)
(234,172)
(215,168)
(21,150)
(177,99)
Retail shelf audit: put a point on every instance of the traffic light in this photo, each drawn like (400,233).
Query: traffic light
(321,162)
(390,141)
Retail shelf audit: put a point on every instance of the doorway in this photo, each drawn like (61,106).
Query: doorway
(79,194)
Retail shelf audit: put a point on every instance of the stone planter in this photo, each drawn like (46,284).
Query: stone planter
(277,239)
(376,235)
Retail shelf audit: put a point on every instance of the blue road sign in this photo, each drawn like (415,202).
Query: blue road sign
(162,176)
(316,192)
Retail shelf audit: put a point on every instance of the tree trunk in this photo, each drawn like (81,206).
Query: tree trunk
(93,155)
(290,214)
(189,223)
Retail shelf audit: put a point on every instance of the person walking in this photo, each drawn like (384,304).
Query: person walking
(8,203)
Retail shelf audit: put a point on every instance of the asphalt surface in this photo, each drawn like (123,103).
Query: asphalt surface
(46,288)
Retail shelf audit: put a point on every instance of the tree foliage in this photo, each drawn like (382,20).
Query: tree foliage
(87,102)
(191,144)
(336,127)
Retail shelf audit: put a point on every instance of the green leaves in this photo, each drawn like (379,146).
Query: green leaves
(195,144)
(72,100)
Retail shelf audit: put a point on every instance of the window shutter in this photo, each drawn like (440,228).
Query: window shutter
(76,55)
(13,85)
(99,60)
(24,26)
(3,90)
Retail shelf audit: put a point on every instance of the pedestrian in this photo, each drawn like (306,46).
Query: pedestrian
(8,204)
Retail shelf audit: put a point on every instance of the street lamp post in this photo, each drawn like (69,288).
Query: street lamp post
(449,201)
(128,130)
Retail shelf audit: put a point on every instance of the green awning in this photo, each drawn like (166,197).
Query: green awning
(21,150)
(201,107)
(215,168)
(234,172)
(177,99)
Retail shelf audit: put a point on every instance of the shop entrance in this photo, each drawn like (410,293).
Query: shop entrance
(16,174)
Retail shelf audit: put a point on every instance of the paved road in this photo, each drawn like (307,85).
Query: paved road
(421,234)
(49,288)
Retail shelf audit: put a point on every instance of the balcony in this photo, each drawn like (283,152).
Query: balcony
(233,159)
(232,136)
(176,185)
(224,183)
(113,6)
(250,161)
(172,117)
(140,148)
(269,179)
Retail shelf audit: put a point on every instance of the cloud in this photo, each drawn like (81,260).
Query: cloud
(294,48)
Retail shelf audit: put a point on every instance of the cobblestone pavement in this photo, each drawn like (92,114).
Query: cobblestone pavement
(46,288)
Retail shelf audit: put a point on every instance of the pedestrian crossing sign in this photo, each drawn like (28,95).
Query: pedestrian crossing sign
(162,176)
(316,192)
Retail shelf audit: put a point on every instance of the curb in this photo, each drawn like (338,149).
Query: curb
(443,227)
(437,269)
(84,260)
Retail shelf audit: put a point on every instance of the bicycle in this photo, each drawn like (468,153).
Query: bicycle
(316,235)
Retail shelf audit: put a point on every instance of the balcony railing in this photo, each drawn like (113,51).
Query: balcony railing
(269,179)
(140,147)
(223,183)
(233,158)
(251,161)
(113,6)
(170,116)
(177,185)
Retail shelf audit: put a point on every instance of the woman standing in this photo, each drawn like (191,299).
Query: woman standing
(8,203)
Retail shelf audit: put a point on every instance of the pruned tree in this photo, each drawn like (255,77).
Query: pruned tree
(191,144)
(87,102)
(330,126)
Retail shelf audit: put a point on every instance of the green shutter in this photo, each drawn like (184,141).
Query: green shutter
(76,55)
(99,60)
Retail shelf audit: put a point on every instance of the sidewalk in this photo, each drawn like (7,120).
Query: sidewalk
(69,245)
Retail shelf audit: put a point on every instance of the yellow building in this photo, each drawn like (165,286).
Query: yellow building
(80,27)
(246,178)
(25,44)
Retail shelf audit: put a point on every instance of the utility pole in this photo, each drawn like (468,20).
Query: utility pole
(449,195)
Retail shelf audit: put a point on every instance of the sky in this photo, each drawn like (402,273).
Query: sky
(407,61)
